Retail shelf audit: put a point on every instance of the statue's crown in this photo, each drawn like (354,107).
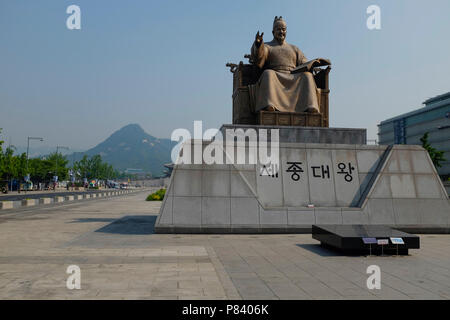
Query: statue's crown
(280,18)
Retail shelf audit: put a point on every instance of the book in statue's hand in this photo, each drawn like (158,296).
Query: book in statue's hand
(308,66)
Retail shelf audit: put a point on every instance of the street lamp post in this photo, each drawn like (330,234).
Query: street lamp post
(56,161)
(28,147)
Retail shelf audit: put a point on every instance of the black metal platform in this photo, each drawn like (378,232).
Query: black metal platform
(365,239)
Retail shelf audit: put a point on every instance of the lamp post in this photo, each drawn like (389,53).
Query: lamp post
(56,161)
(28,147)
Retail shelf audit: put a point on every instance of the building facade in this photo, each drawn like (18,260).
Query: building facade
(408,128)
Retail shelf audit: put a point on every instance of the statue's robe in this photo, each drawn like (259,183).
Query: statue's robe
(277,87)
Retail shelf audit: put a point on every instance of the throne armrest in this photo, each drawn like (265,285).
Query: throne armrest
(244,74)
(321,77)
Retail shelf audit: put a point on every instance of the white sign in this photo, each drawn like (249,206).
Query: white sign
(369,240)
(382,242)
(397,241)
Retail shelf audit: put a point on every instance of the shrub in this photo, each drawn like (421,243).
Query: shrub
(156,196)
(436,156)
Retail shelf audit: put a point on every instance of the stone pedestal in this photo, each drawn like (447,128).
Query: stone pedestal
(294,134)
(316,183)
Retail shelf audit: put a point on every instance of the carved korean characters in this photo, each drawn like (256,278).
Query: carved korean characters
(321,177)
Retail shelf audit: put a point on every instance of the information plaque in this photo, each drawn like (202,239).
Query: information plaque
(397,241)
(369,240)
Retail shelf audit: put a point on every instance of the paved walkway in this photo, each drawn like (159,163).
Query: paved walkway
(111,241)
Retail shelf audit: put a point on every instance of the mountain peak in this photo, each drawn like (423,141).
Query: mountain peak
(132,127)
(130,131)
(132,147)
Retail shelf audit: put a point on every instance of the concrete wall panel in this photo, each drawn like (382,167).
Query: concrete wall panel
(428,187)
(381,211)
(353,216)
(244,211)
(187,183)
(301,217)
(187,211)
(405,211)
(346,178)
(216,183)
(434,212)
(402,186)
(321,179)
(166,212)
(368,160)
(273,217)
(295,177)
(269,187)
(242,182)
(216,211)
(382,188)
(328,215)
(421,162)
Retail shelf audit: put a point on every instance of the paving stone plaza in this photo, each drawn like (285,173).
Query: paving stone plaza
(113,243)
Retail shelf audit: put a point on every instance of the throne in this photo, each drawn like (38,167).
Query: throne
(244,113)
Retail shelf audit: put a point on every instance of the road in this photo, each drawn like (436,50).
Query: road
(49,194)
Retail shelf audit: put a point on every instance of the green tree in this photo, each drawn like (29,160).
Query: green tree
(436,156)
(57,162)
(10,165)
(41,170)
(82,166)
(94,168)
(2,164)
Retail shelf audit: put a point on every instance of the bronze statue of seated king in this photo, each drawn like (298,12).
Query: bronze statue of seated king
(280,86)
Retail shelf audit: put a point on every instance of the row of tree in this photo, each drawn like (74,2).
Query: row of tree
(11,166)
(94,168)
(43,169)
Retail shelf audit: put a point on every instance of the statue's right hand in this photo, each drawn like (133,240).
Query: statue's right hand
(259,38)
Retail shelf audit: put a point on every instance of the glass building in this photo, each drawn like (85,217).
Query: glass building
(408,128)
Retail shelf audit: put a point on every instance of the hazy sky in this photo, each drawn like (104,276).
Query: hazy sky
(162,63)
